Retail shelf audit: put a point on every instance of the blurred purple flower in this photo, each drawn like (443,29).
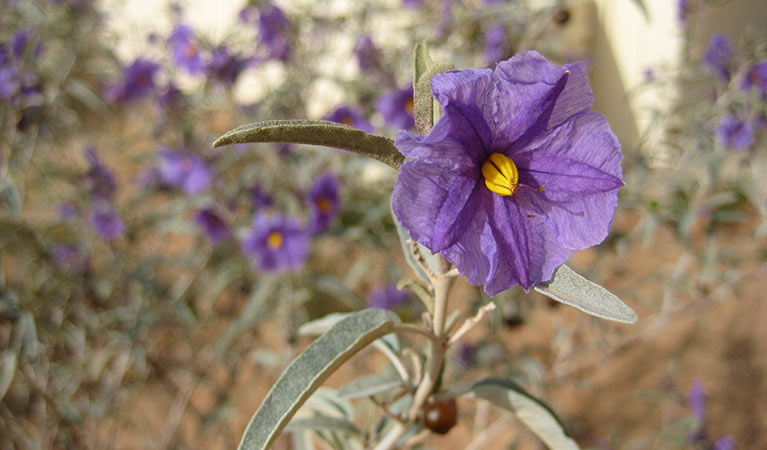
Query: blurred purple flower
(69,256)
(186,52)
(68,211)
(412,4)
(351,117)
(106,221)
(260,198)
(387,297)
(718,55)
(183,170)
(248,14)
(10,81)
(683,10)
(226,67)
(324,202)
(697,401)
(20,41)
(277,243)
(495,40)
(138,81)
(446,18)
(756,77)
(397,108)
(734,132)
(171,98)
(466,354)
(515,176)
(274,32)
(102,183)
(213,226)
(367,53)
(725,443)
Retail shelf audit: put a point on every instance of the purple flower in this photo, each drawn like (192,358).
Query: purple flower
(248,14)
(734,132)
(495,40)
(387,297)
(397,108)
(351,117)
(683,10)
(69,256)
(101,181)
(324,202)
(186,52)
(107,222)
(138,81)
(260,198)
(467,354)
(718,56)
(412,4)
(367,53)
(515,176)
(697,401)
(20,41)
(225,67)
(725,443)
(277,243)
(186,171)
(756,77)
(171,98)
(274,32)
(213,226)
(10,81)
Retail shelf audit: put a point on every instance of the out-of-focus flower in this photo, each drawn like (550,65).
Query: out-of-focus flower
(495,40)
(248,14)
(446,18)
(68,211)
(69,256)
(274,32)
(138,81)
(277,243)
(367,53)
(102,183)
(466,354)
(213,226)
(186,50)
(412,4)
(515,176)
(106,221)
(735,132)
(725,443)
(683,10)
(397,108)
(387,297)
(718,55)
(226,67)
(20,41)
(351,117)
(756,77)
(324,202)
(10,81)
(260,198)
(171,98)
(183,170)
(697,401)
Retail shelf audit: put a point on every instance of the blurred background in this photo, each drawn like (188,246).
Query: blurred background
(137,309)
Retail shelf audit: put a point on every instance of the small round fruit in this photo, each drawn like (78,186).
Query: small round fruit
(440,416)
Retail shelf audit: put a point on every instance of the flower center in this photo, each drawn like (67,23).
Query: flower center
(274,240)
(325,205)
(347,120)
(501,174)
(409,106)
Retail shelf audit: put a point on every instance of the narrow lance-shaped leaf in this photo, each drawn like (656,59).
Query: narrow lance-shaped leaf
(421,62)
(536,415)
(316,132)
(310,369)
(423,101)
(572,289)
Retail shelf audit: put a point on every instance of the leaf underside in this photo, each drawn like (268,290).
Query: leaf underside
(310,369)
(316,132)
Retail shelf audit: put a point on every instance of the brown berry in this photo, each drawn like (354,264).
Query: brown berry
(440,416)
(562,16)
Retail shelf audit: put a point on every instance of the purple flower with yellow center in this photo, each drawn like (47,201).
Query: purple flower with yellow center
(495,41)
(106,221)
(735,132)
(186,51)
(515,176)
(756,77)
(226,67)
(214,227)
(718,55)
(387,297)
(397,108)
(183,170)
(138,81)
(277,243)
(351,117)
(274,32)
(259,197)
(102,183)
(324,202)
(367,53)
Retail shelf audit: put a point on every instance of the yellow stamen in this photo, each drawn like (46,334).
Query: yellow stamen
(501,174)
(325,205)
(347,120)
(274,240)
(409,106)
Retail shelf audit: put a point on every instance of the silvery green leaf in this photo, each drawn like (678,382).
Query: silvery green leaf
(536,415)
(321,325)
(326,401)
(572,289)
(303,440)
(431,259)
(419,290)
(423,101)
(310,369)
(316,132)
(369,385)
(7,371)
(421,62)
(10,196)
(322,422)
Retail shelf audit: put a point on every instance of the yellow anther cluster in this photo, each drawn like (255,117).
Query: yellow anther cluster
(501,174)
(275,240)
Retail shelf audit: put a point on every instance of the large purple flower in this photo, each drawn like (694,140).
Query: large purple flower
(186,51)
(515,176)
(397,108)
(735,132)
(138,81)
(718,56)
(351,117)
(277,243)
(324,202)
(184,170)
(274,32)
